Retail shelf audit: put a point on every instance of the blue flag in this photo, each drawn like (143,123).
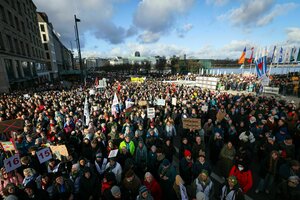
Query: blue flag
(280,59)
(261,66)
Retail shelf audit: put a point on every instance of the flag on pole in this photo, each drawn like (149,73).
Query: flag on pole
(256,54)
(287,55)
(96,81)
(261,66)
(251,57)
(114,106)
(293,54)
(274,52)
(298,57)
(242,58)
(280,58)
(86,112)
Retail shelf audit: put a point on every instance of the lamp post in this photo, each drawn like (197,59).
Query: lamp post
(78,45)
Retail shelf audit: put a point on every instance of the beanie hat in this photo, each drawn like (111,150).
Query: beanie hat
(233,179)
(166,162)
(143,189)
(187,153)
(204,172)
(115,190)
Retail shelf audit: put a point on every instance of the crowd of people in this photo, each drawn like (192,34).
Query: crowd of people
(234,131)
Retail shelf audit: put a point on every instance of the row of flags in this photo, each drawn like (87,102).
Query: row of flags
(275,56)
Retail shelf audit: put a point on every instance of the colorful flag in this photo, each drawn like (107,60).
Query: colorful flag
(251,57)
(280,58)
(287,55)
(242,58)
(96,81)
(86,112)
(261,66)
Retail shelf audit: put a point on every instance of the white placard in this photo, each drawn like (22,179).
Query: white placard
(204,108)
(12,163)
(160,102)
(174,101)
(150,113)
(44,155)
(113,153)
(128,104)
(26,96)
(92,92)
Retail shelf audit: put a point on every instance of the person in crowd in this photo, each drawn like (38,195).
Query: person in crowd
(203,184)
(201,164)
(288,189)
(227,155)
(179,188)
(231,190)
(185,167)
(87,185)
(131,184)
(144,194)
(128,144)
(167,175)
(197,146)
(153,186)
(169,149)
(243,176)
(63,188)
(115,167)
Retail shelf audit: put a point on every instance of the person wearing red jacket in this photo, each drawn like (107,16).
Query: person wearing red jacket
(243,175)
(153,186)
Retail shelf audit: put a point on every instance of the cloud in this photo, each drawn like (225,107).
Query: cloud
(157,16)
(148,37)
(217,2)
(293,35)
(279,9)
(181,32)
(95,15)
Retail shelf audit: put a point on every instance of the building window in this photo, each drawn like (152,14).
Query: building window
(13,4)
(22,48)
(42,28)
(1,42)
(10,19)
(17,45)
(48,56)
(44,38)
(9,69)
(33,52)
(19,8)
(23,28)
(10,44)
(46,46)
(17,23)
(2,14)
(28,50)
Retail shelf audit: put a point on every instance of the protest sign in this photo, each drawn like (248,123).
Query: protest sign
(12,163)
(150,113)
(204,108)
(44,155)
(174,101)
(160,102)
(113,153)
(59,151)
(142,103)
(7,146)
(191,123)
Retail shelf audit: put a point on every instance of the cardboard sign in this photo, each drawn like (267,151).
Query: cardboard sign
(160,102)
(12,163)
(174,101)
(142,103)
(191,123)
(44,155)
(26,96)
(113,153)
(204,108)
(150,113)
(8,146)
(60,150)
(138,79)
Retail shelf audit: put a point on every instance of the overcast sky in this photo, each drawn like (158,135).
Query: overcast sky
(199,28)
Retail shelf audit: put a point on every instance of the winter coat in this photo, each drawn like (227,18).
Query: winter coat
(244,178)
(206,187)
(154,188)
(131,188)
(88,187)
(116,169)
(185,170)
(129,146)
(231,194)
(198,167)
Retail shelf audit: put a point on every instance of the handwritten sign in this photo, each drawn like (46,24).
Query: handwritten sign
(142,103)
(8,146)
(150,113)
(12,163)
(174,101)
(59,151)
(160,102)
(191,123)
(44,155)
(113,153)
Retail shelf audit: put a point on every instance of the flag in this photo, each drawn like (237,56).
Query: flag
(298,57)
(76,19)
(261,66)
(86,112)
(274,52)
(242,58)
(115,105)
(287,55)
(119,87)
(280,58)
(251,57)
(293,54)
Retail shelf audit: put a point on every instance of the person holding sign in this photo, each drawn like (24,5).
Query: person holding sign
(7,178)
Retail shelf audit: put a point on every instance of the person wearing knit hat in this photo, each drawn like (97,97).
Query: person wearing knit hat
(167,174)
(185,167)
(131,183)
(231,190)
(100,164)
(144,194)
(116,192)
(203,184)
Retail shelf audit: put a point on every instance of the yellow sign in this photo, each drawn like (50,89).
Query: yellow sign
(59,151)
(138,79)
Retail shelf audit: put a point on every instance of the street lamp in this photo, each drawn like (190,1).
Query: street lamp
(78,45)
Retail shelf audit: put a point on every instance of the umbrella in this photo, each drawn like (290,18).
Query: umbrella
(11,125)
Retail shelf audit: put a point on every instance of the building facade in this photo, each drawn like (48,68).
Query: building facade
(21,51)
